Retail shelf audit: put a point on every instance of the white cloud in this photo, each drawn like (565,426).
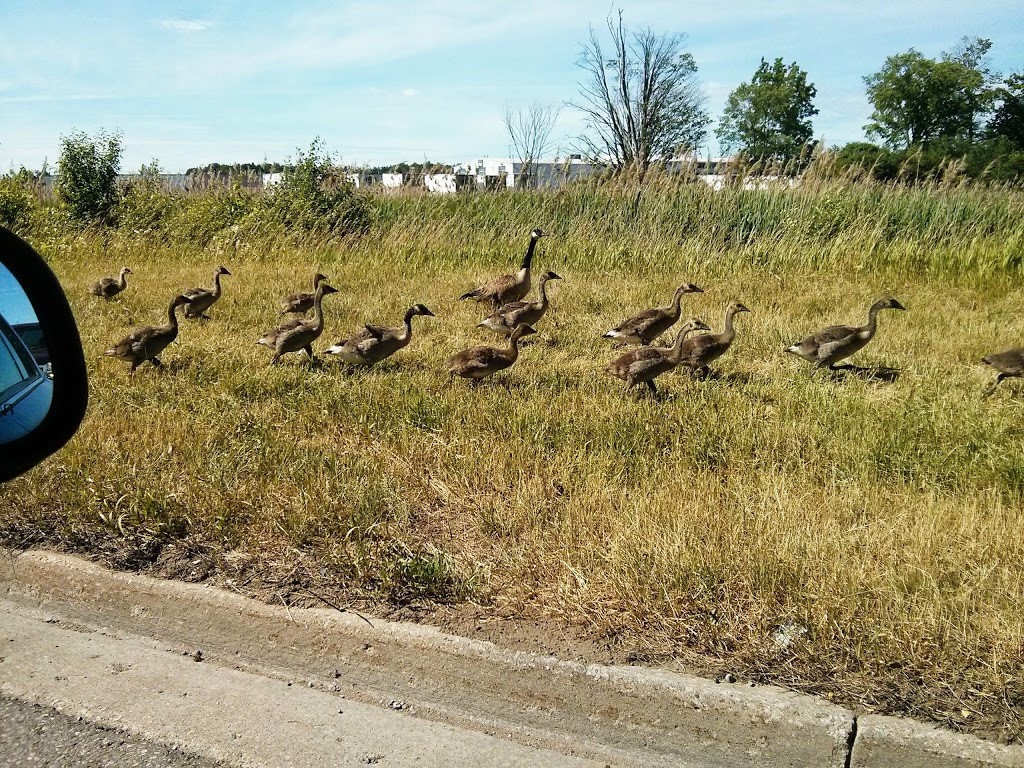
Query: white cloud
(185,25)
(410,92)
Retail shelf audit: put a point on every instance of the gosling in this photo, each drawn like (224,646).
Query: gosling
(645,364)
(837,342)
(479,362)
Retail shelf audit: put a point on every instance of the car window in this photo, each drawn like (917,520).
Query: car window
(17,368)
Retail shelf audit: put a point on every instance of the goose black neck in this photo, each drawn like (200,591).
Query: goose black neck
(529,253)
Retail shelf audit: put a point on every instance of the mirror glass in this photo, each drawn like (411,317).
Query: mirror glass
(26,381)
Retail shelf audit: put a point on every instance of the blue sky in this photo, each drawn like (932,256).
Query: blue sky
(189,83)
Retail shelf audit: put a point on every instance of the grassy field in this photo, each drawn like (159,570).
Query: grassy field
(852,535)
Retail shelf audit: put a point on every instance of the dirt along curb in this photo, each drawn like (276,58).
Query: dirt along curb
(620,715)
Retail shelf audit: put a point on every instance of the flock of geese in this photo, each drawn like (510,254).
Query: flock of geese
(514,318)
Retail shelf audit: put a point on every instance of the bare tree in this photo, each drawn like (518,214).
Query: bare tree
(530,130)
(642,103)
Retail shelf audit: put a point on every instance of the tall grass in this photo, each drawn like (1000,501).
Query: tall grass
(846,534)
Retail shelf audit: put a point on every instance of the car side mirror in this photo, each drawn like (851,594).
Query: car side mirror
(43,384)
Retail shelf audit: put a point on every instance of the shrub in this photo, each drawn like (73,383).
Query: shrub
(87,180)
(18,200)
(314,198)
(144,205)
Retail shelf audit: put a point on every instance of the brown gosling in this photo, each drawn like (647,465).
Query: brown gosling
(648,325)
(109,287)
(298,333)
(1010,365)
(644,365)
(481,361)
(508,288)
(146,343)
(700,351)
(300,303)
(204,298)
(830,345)
(511,316)
(374,343)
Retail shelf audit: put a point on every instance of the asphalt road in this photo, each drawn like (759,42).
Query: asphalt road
(34,735)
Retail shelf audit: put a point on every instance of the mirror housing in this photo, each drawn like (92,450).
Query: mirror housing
(67,360)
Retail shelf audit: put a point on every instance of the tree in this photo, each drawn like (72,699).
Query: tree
(918,100)
(530,129)
(1008,119)
(643,102)
(87,174)
(770,117)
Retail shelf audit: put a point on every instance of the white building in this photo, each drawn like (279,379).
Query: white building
(502,173)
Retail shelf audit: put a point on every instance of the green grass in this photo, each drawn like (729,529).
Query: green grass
(881,516)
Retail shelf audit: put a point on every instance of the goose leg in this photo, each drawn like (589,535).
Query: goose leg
(650,386)
(992,387)
(274,360)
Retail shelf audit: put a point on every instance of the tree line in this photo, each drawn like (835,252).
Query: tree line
(642,104)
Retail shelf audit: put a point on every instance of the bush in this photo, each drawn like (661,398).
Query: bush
(144,205)
(314,198)
(18,200)
(87,180)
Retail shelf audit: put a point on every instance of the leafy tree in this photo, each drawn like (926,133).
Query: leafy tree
(770,117)
(641,102)
(1008,120)
(87,174)
(530,129)
(918,100)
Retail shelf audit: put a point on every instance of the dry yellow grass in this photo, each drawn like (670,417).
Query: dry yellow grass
(876,521)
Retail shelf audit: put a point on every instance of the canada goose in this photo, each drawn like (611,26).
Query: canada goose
(508,288)
(300,303)
(146,343)
(700,351)
(1010,364)
(298,333)
(829,345)
(651,323)
(109,287)
(373,343)
(644,364)
(203,298)
(506,319)
(481,361)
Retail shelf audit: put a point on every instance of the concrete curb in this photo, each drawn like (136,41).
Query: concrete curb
(625,715)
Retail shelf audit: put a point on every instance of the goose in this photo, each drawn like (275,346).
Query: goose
(374,343)
(204,298)
(149,341)
(700,351)
(1010,364)
(298,333)
(109,287)
(508,288)
(479,362)
(830,345)
(506,319)
(645,364)
(300,303)
(651,323)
